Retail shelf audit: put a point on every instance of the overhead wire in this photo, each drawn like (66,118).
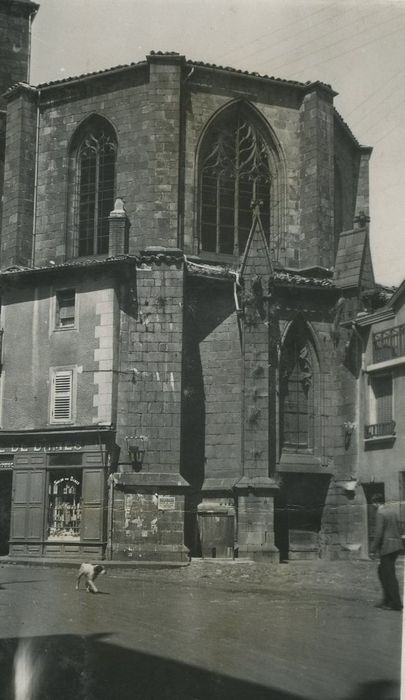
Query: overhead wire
(335,43)
(267,35)
(354,48)
(380,90)
(291,38)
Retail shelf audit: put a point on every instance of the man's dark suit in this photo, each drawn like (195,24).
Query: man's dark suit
(388,543)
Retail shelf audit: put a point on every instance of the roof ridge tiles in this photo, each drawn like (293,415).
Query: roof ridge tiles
(189,62)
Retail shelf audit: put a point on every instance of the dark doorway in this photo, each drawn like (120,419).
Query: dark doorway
(281,539)
(298,509)
(370,490)
(6,479)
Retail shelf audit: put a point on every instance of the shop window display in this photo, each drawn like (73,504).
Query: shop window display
(64,507)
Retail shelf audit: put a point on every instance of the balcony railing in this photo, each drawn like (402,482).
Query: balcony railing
(379,430)
(389,344)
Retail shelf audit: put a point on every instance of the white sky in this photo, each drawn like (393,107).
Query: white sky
(356,46)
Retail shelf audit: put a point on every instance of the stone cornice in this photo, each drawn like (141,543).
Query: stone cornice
(155,255)
(24,7)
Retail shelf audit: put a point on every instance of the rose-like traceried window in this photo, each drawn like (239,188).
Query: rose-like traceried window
(236,168)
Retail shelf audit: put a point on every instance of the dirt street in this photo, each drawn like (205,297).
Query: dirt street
(211,631)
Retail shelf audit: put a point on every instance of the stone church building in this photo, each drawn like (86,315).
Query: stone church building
(182,245)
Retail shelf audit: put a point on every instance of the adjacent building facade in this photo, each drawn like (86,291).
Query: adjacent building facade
(382,409)
(182,247)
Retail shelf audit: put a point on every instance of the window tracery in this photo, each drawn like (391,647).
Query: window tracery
(235,169)
(92,187)
(297,377)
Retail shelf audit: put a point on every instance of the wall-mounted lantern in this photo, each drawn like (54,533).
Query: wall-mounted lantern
(348,427)
(136,446)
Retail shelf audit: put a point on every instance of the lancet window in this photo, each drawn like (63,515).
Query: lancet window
(93,158)
(235,168)
(298,369)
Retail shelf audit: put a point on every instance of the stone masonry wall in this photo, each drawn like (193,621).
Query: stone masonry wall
(220,359)
(348,166)
(14,45)
(145,113)
(277,106)
(140,520)
(316,180)
(149,402)
(19,175)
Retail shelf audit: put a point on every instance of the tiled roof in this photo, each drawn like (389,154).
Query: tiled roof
(281,277)
(203,64)
(205,270)
(92,74)
(302,280)
(349,258)
(254,74)
(81,263)
(348,130)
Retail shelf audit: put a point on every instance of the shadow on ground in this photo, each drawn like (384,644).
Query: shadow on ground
(378,690)
(91,668)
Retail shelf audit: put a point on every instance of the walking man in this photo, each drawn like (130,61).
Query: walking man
(387,544)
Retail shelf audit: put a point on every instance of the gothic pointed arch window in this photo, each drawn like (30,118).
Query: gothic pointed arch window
(237,164)
(298,379)
(93,156)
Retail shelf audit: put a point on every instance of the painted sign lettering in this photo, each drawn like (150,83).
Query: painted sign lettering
(18,449)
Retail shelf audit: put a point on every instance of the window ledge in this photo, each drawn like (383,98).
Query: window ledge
(386,364)
(380,438)
(299,461)
(65,328)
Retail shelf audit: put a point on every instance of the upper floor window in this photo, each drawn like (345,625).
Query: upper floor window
(381,423)
(62,395)
(65,308)
(389,344)
(94,154)
(237,166)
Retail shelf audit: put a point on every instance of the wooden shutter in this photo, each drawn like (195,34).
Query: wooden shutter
(65,301)
(383,397)
(93,504)
(27,512)
(61,410)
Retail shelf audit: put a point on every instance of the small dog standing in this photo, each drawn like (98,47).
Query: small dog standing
(90,573)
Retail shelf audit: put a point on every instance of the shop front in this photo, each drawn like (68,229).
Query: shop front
(59,494)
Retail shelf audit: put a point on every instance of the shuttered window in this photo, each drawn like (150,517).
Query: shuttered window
(65,308)
(382,387)
(62,396)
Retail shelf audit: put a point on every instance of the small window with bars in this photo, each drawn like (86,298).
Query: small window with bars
(65,308)
(62,396)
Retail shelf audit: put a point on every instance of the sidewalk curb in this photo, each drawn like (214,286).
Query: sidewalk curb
(74,563)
